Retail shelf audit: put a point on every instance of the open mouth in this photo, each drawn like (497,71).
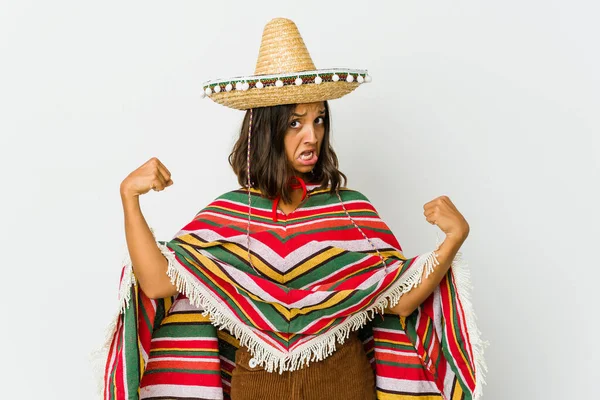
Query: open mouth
(308,157)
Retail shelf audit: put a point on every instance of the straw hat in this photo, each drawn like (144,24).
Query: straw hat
(284,74)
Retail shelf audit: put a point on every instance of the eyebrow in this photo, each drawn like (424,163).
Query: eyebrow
(302,115)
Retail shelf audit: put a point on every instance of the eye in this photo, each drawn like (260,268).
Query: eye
(320,120)
(295,124)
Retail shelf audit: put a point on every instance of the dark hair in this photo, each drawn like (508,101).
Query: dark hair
(270,171)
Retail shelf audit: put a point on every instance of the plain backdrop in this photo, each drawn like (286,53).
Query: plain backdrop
(494,104)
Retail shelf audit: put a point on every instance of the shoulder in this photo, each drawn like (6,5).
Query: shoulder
(237,196)
(233,194)
(348,194)
(240,196)
(358,203)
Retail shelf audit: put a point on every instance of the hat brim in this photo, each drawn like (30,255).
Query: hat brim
(272,96)
(243,93)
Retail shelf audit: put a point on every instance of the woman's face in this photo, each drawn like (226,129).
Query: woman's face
(304,136)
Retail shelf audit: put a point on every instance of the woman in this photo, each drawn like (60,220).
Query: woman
(308,287)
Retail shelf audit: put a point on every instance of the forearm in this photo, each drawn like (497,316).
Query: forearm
(149,265)
(412,299)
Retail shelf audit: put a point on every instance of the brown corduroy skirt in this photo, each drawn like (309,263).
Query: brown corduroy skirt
(346,374)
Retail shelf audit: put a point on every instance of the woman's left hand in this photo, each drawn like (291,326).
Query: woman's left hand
(442,212)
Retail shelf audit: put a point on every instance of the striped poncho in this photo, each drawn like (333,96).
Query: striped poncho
(314,278)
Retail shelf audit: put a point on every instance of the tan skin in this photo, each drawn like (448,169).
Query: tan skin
(305,134)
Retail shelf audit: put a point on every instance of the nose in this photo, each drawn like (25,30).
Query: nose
(310,136)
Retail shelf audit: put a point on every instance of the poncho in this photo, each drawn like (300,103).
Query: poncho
(314,278)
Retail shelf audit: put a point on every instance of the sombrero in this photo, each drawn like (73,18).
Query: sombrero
(284,74)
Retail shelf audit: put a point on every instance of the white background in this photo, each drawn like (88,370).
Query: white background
(494,104)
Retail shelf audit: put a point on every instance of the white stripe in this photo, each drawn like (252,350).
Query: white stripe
(358,244)
(226,360)
(377,276)
(394,331)
(397,352)
(320,220)
(204,392)
(287,262)
(242,219)
(269,211)
(185,305)
(405,385)
(315,284)
(406,276)
(448,380)
(111,362)
(251,286)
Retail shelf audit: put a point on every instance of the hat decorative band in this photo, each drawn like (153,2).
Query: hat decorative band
(331,82)
(280,80)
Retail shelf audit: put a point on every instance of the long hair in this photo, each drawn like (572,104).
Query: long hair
(270,171)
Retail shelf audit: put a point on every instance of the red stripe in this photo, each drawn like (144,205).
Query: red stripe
(354,281)
(112,356)
(451,334)
(179,364)
(147,305)
(463,323)
(318,326)
(119,374)
(232,294)
(398,372)
(181,378)
(186,344)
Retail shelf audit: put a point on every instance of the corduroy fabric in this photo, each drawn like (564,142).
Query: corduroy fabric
(346,374)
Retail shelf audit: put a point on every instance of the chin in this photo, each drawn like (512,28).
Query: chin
(303,169)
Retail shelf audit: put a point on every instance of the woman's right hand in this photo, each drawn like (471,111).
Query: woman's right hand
(151,175)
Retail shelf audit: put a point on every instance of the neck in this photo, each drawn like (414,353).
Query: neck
(303,176)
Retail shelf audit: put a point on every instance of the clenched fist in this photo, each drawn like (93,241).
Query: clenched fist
(151,175)
(442,212)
